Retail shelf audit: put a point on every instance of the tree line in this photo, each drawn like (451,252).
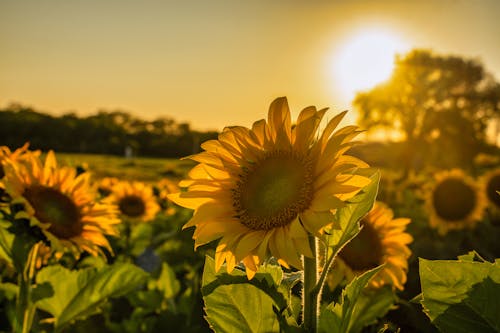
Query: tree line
(105,132)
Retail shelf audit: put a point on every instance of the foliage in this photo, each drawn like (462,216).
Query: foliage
(437,102)
(106,132)
(461,296)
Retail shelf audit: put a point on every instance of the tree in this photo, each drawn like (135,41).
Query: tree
(437,102)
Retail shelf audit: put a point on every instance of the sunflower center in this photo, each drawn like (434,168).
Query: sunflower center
(364,251)
(453,199)
(271,192)
(492,188)
(53,207)
(2,172)
(132,206)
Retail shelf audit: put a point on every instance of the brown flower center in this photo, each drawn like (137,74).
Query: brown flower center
(364,251)
(453,199)
(273,191)
(492,188)
(53,207)
(132,206)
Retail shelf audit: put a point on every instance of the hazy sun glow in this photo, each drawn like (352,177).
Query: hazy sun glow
(365,60)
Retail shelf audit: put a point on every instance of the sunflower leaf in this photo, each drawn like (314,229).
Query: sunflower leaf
(461,296)
(77,294)
(235,304)
(343,317)
(349,216)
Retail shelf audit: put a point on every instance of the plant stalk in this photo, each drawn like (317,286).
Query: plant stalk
(310,311)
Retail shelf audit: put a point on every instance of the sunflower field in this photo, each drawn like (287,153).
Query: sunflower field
(280,227)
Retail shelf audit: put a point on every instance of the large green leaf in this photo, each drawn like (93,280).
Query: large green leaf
(355,209)
(461,296)
(77,294)
(234,304)
(340,317)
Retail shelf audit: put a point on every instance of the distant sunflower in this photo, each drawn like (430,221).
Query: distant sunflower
(491,187)
(263,190)
(61,203)
(135,200)
(13,156)
(105,185)
(382,240)
(454,202)
(162,189)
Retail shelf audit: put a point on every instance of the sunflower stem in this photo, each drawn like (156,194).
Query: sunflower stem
(24,307)
(310,311)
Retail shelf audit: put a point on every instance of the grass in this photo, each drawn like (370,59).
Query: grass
(137,168)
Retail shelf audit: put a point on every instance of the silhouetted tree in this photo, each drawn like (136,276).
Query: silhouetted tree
(442,105)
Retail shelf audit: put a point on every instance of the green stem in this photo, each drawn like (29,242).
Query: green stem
(25,309)
(309,295)
(318,288)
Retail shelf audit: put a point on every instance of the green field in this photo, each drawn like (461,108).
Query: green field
(137,168)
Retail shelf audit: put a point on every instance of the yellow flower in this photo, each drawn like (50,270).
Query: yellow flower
(263,190)
(491,186)
(454,202)
(382,240)
(61,203)
(164,188)
(135,200)
(16,156)
(106,184)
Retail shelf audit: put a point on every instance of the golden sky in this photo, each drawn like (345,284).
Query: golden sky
(215,63)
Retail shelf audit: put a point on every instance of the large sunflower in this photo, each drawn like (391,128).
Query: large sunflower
(135,200)
(382,240)
(263,190)
(61,203)
(454,202)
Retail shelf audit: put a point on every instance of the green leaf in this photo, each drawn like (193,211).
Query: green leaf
(371,305)
(78,294)
(6,240)
(234,304)
(167,283)
(340,317)
(461,296)
(356,208)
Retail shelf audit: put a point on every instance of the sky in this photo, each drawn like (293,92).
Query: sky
(218,63)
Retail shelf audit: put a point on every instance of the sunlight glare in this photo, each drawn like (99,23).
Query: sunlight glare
(365,60)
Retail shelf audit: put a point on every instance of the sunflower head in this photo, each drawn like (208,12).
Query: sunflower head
(454,202)
(61,203)
(382,240)
(162,189)
(135,200)
(17,156)
(263,190)
(491,186)
(106,184)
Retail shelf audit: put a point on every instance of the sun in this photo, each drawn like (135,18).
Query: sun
(365,59)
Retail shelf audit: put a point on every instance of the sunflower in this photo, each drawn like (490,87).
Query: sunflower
(61,203)
(162,189)
(454,202)
(382,240)
(135,200)
(17,155)
(105,185)
(263,190)
(491,185)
